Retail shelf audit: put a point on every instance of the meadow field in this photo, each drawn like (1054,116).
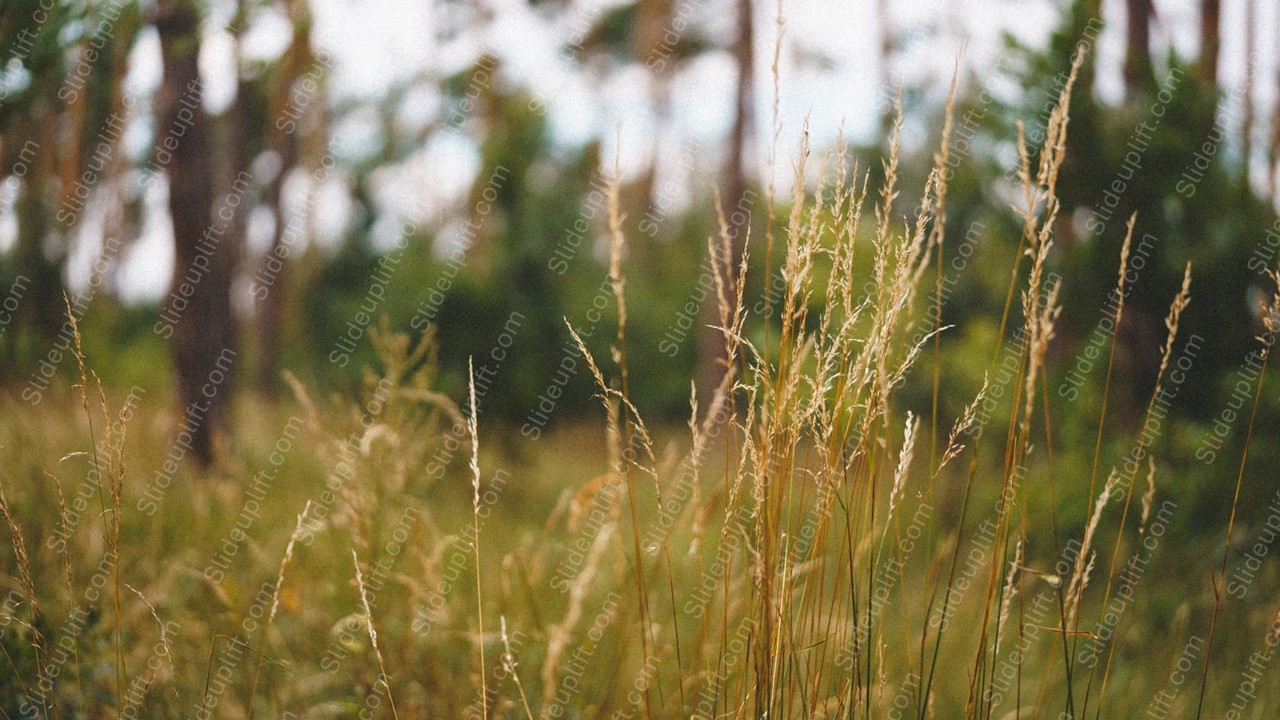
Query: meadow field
(852,525)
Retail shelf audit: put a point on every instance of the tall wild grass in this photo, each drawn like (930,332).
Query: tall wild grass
(814,546)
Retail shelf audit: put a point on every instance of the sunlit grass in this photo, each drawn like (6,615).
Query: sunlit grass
(808,547)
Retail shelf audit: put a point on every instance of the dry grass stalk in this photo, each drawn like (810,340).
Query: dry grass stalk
(474,430)
(1010,591)
(1149,495)
(275,604)
(1084,560)
(1271,323)
(509,664)
(383,677)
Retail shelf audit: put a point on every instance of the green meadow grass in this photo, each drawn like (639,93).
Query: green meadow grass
(807,547)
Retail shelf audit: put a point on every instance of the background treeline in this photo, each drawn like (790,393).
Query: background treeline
(1177,150)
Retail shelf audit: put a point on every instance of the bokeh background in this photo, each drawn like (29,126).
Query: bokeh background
(257,195)
(348,134)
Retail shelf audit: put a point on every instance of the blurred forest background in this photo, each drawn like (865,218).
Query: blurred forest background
(139,138)
(255,196)
(187,175)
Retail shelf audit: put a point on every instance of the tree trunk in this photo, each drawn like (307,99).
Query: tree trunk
(712,355)
(653,17)
(884,46)
(1138,72)
(203,332)
(1087,80)
(45,305)
(270,310)
(1273,147)
(270,326)
(1246,124)
(282,138)
(1210,39)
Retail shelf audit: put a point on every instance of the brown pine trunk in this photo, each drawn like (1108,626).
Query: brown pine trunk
(1273,147)
(270,318)
(203,333)
(1088,77)
(1246,124)
(46,306)
(1138,72)
(712,355)
(271,308)
(653,17)
(884,45)
(1210,39)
